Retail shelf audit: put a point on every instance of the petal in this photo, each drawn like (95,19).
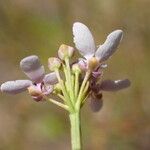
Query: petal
(36,75)
(32,67)
(109,85)
(48,89)
(96,103)
(110,45)
(83,40)
(15,87)
(50,78)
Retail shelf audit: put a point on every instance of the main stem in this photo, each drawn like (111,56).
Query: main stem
(75,130)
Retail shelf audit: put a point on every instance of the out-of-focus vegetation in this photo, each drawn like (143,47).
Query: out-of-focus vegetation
(39,27)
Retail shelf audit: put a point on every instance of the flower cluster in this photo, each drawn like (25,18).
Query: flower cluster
(71,82)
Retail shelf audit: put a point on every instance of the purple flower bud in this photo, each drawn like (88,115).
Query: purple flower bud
(15,87)
(83,64)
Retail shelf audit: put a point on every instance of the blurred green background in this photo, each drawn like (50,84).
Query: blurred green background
(39,27)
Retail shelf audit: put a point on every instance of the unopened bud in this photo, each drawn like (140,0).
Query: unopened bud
(57,88)
(34,91)
(54,63)
(82,64)
(76,68)
(65,51)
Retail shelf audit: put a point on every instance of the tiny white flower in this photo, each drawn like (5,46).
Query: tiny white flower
(84,42)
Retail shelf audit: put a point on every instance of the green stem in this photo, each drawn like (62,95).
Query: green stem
(75,131)
(63,88)
(82,89)
(69,80)
(58,104)
(76,84)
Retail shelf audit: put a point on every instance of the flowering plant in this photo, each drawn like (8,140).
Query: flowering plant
(72,83)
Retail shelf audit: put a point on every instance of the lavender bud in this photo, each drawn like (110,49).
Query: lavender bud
(54,63)
(83,64)
(65,51)
(76,68)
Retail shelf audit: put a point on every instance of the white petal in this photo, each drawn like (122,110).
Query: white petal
(83,40)
(32,67)
(15,87)
(110,45)
(110,85)
(50,78)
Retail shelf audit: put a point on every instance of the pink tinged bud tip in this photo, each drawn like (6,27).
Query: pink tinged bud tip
(109,85)
(32,67)
(83,40)
(110,45)
(15,87)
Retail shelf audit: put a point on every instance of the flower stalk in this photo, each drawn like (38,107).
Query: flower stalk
(75,130)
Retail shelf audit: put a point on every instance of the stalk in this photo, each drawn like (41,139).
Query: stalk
(75,130)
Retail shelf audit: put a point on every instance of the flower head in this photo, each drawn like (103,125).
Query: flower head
(93,61)
(39,84)
(84,42)
(71,83)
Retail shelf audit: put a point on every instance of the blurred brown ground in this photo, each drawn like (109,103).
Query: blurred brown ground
(39,27)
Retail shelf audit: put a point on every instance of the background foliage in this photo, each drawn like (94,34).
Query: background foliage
(38,27)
